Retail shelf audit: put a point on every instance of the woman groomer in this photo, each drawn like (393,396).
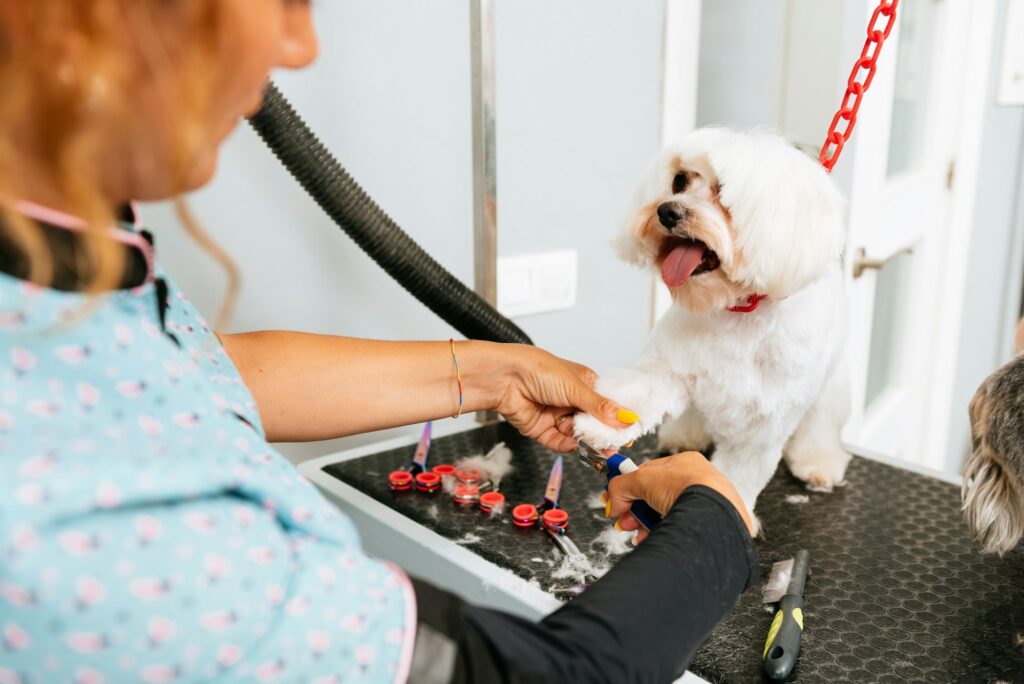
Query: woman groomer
(147,530)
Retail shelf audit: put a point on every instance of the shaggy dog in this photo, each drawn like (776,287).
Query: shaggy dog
(993,489)
(747,233)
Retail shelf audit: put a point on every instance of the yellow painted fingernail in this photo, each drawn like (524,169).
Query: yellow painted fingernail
(626,416)
(618,526)
(629,443)
(608,509)
(604,496)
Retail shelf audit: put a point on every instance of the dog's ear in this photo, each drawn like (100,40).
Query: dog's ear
(787,214)
(629,244)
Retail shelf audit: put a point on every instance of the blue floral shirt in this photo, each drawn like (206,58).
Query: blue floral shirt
(148,532)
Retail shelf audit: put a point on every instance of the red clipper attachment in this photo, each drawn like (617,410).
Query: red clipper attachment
(466,494)
(489,501)
(525,515)
(469,476)
(444,470)
(428,482)
(447,473)
(400,480)
(555,519)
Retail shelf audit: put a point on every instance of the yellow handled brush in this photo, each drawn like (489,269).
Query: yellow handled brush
(786,586)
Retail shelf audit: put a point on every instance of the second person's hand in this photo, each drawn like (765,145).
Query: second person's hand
(661,481)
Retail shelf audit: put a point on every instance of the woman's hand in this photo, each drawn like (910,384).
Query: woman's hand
(661,481)
(542,392)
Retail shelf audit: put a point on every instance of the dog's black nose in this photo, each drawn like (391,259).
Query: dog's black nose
(671,213)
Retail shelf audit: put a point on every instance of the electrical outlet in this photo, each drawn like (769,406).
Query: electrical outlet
(537,283)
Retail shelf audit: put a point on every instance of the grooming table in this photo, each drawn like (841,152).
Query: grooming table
(897,593)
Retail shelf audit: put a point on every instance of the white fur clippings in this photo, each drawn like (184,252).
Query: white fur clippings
(579,568)
(493,466)
(766,219)
(596,500)
(497,510)
(469,538)
(614,542)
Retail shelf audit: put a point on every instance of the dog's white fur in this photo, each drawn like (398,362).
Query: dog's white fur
(756,383)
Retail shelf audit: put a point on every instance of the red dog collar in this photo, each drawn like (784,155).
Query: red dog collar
(753,301)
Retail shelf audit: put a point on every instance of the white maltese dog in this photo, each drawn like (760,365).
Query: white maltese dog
(747,232)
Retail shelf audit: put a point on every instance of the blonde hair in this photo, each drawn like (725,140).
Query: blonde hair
(69,68)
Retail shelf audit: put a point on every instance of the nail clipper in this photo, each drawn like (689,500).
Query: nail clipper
(613,466)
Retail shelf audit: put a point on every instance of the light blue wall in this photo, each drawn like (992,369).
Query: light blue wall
(993,293)
(390,97)
(578,98)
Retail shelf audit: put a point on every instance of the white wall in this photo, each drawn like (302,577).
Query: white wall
(578,93)
(772,64)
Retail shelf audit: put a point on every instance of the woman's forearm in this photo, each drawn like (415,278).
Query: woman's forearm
(310,387)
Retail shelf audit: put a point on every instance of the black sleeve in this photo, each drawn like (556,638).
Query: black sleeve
(641,622)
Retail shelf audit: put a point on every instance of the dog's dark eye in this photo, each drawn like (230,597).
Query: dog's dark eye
(680,182)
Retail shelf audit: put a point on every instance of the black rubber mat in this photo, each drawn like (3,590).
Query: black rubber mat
(897,593)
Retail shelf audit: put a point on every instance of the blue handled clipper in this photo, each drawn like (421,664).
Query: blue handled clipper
(613,466)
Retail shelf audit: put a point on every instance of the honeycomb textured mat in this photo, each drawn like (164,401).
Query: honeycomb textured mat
(897,592)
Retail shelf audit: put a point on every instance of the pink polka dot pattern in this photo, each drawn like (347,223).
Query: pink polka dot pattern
(148,532)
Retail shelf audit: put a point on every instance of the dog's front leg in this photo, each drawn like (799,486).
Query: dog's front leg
(650,393)
(749,466)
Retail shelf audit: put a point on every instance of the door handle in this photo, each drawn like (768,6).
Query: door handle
(862,263)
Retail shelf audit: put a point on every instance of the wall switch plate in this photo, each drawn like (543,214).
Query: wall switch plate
(1011,70)
(537,283)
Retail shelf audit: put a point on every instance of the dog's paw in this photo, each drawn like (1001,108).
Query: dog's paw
(601,436)
(756,523)
(823,470)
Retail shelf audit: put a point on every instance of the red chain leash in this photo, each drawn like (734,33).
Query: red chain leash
(855,88)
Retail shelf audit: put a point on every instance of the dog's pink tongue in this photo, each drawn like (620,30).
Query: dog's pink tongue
(680,264)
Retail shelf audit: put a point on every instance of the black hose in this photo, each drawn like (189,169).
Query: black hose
(338,194)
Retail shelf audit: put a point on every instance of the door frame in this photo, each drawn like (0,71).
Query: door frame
(940,409)
(888,214)
(681,56)
(943,268)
